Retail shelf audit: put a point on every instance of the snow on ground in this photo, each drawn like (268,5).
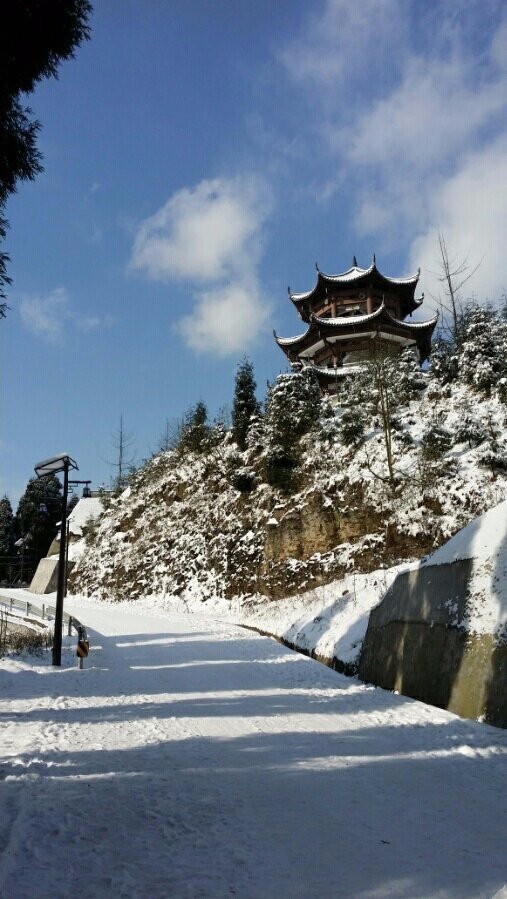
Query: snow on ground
(194,759)
(330,620)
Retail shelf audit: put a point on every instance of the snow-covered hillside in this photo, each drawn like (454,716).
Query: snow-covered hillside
(209,524)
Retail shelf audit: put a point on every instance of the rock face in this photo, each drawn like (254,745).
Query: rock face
(419,644)
(300,532)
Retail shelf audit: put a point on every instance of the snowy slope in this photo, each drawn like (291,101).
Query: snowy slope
(182,529)
(192,759)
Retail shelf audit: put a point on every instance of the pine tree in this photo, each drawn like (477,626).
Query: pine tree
(6,536)
(483,355)
(493,454)
(444,361)
(352,426)
(292,409)
(409,380)
(39,510)
(34,39)
(195,430)
(245,404)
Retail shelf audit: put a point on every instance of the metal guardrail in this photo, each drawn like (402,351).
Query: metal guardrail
(44,611)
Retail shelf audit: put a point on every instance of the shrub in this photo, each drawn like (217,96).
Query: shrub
(436,442)
(280,469)
(243,479)
(352,427)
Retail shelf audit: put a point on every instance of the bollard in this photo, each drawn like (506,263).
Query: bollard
(28,608)
(43,611)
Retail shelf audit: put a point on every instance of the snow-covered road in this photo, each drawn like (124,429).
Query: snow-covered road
(194,759)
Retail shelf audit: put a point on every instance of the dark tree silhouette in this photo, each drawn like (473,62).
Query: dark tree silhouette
(35,37)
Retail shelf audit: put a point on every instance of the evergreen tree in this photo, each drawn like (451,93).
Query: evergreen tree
(494,453)
(36,35)
(195,430)
(352,426)
(444,361)
(436,441)
(483,356)
(409,380)
(37,515)
(245,404)
(292,409)
(7,538)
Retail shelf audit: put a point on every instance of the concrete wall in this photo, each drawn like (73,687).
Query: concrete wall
(45,579)
(414,645)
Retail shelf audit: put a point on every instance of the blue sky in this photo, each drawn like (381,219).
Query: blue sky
(201,156)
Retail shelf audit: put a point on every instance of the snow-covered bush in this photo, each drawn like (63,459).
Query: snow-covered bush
(470,430)
(195,430)
(444,361)
(243,479)
(409,380)
(292,408)
(483,353)
(352,426)
(436,441)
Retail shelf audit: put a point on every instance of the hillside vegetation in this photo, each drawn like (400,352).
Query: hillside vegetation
(311,490)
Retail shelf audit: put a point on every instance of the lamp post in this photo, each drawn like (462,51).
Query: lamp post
(55,465)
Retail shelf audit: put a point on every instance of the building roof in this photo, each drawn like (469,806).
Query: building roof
(329,285)
(86,509)
(321,329)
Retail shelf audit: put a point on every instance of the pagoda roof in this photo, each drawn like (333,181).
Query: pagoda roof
(344,371)
(358,277)
(318,327)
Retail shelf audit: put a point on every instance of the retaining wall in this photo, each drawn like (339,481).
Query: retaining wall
(414,645)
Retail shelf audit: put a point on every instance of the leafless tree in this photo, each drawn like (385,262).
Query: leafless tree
(124,460)
(452,274)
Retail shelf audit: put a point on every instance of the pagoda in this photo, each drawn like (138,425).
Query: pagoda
(344,313)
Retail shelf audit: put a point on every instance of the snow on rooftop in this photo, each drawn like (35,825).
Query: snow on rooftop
(350,319)
(354,274)
(86,509)
(286,341)
(418,325)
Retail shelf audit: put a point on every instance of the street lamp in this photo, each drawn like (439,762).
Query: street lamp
(54,465)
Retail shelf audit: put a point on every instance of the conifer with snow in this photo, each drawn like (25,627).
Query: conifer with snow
(39,510)
(195,430)
(6,535)
(483,356)
(245,405)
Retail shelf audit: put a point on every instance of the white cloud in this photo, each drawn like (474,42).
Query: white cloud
(430,116)
(48,316)
(471,212)
(211,235)
(206,233)
(344,40)
(45,316)
(410,124)
(225,320)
